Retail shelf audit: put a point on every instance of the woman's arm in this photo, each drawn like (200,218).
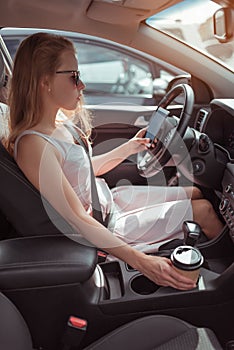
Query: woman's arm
(107,161)
(41,164)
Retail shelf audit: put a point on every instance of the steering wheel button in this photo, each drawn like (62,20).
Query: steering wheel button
(204,143)
(198,167)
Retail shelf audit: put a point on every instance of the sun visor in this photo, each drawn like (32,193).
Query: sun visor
(125,11)
(115,14)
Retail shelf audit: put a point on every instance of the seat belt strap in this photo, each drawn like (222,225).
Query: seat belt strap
(96,206)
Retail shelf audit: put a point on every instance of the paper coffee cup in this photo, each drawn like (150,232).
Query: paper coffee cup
(187,261)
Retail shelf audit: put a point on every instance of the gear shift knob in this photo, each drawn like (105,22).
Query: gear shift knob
(192,232)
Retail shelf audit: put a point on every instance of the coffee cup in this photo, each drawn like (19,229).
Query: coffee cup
(187,260)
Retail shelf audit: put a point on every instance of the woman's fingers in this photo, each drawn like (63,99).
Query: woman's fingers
(164,274)
(177,281)
(141,133)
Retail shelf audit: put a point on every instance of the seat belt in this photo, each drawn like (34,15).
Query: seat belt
(96,206)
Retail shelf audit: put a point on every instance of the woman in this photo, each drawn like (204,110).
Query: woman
(60,169)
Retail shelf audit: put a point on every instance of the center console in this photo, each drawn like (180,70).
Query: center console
(129,295)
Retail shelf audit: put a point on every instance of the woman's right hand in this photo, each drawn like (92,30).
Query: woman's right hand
(161,271)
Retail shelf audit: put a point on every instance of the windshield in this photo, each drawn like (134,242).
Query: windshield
(191,21)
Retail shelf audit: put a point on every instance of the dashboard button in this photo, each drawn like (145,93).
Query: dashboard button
(228,188)
(204,143)
(198,167)
(223,205)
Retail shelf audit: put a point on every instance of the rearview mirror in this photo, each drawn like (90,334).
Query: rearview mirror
(223,21)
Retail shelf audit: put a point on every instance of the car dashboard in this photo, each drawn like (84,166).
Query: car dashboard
(218,123)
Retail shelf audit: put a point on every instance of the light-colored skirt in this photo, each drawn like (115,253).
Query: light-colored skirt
(148,216)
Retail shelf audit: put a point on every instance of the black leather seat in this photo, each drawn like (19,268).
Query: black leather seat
(148,333)
(23,206)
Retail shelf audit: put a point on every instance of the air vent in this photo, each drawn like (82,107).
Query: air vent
(200,119)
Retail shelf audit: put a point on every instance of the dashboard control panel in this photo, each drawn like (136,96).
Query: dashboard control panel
(226,206)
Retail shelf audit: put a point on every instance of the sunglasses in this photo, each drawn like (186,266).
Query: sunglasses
(75,75)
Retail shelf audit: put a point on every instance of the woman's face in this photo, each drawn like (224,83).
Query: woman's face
(66,87)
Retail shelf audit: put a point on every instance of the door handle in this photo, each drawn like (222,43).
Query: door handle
(141,122)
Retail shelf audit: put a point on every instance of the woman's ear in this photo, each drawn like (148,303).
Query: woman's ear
(45,83)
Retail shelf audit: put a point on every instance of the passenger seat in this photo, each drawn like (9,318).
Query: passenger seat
(157,332)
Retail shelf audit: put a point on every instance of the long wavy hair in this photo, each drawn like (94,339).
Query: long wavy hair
(38,55)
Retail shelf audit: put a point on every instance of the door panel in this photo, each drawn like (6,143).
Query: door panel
(108,134)
(114,125)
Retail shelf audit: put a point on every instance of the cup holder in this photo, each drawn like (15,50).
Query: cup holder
(142,285)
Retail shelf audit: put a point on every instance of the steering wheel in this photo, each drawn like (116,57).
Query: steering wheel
(170,134)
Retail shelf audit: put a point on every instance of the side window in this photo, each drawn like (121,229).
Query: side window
(12,44)
(166,76)
(110,71)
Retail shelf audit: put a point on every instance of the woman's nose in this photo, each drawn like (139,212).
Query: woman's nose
(81,85)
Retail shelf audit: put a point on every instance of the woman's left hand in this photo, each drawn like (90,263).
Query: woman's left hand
(138,143)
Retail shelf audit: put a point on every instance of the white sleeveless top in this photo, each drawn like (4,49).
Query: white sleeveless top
(76,168)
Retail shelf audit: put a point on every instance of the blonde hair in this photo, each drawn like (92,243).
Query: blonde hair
(38,55)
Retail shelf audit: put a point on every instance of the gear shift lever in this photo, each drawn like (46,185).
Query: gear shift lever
(192,232)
